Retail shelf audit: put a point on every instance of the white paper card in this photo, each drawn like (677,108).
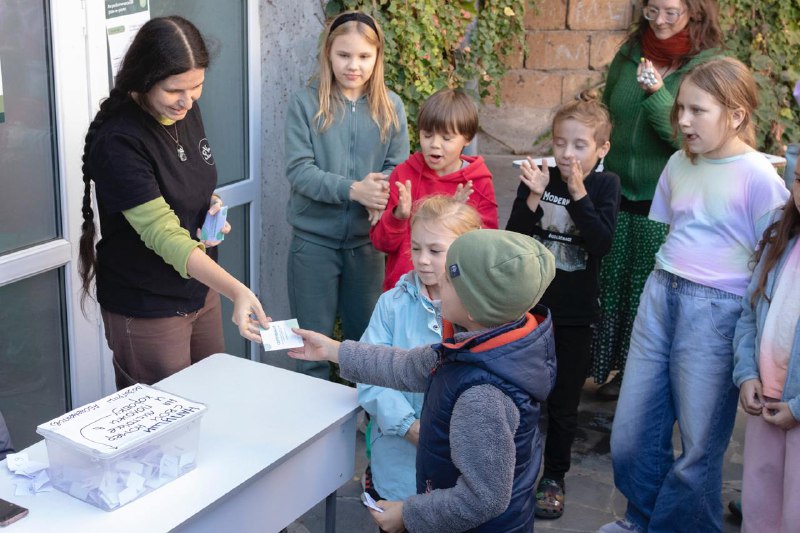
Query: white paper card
(370,502)
(280,336)
(551,161)
(16,461)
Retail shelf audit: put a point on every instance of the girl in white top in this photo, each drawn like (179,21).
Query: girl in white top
(716,195)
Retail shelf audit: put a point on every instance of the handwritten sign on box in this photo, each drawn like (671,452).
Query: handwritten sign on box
(122,420)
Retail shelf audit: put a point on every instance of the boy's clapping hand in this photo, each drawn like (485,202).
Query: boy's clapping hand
(533,177)
(391,519)
(316,347)
(575,179)
(463,192)
(404,201)
(535,180)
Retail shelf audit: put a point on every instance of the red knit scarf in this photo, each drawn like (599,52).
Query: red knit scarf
(666,52)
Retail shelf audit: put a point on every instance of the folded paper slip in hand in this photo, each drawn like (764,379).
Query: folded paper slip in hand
(280,336)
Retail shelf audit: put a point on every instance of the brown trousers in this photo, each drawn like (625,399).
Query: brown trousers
(147,350)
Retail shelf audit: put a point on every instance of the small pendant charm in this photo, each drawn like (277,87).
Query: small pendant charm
(181,153)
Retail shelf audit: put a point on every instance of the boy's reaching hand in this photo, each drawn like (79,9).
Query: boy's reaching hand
(391,519)
(316,347)
(404,202)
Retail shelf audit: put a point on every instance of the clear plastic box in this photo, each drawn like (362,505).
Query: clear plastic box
(124,446)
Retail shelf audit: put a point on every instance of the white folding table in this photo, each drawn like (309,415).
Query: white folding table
(273,444)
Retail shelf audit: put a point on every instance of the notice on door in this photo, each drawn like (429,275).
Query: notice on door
(123,20)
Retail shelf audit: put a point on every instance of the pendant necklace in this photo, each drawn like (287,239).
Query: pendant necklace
(176,140)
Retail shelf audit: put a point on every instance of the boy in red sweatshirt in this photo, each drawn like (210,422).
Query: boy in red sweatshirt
(447,122)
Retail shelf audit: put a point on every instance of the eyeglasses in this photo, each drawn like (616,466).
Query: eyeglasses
(671,16)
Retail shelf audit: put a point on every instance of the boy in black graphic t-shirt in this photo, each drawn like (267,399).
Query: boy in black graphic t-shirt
(572,209)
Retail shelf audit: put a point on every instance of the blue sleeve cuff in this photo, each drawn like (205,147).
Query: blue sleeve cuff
(405,425)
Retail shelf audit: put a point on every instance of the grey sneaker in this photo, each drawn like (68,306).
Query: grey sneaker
(620,526)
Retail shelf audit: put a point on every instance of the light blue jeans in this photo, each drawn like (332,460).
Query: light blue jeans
(679,368)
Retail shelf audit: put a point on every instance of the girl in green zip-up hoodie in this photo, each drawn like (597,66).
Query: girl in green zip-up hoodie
(670,37)
(345,133)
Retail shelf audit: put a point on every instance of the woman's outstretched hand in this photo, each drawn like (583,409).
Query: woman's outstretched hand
(248,315)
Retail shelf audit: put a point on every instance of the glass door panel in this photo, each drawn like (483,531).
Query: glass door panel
(224,100)
(33,348)
(34,353)
(29,211)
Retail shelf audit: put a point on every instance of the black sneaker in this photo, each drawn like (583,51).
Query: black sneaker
(735,507)
(610,390)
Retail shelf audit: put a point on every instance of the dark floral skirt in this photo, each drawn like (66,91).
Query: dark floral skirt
(622,276)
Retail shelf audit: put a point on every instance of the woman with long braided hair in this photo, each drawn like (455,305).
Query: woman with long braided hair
(147,153)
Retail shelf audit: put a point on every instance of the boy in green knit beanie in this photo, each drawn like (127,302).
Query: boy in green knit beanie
(479,449)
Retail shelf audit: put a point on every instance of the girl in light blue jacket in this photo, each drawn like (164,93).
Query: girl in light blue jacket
(407,316)
(767,371)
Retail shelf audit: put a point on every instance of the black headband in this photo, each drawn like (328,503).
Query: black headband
(357,16)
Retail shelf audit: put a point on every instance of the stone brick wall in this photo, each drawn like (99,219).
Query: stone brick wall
(569,45)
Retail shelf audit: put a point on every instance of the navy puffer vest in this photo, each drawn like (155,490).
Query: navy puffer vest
(524,369)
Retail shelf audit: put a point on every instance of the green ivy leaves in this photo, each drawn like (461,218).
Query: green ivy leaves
(431,44)
(766,36)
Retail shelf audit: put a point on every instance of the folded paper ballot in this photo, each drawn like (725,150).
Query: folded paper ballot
(370,502)
(213,225)
(551,161)
(29,476)
(280,336)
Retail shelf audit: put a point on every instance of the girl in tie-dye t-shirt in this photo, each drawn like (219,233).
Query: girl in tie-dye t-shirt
(716,195)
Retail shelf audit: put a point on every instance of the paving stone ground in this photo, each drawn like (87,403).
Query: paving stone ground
(591,499)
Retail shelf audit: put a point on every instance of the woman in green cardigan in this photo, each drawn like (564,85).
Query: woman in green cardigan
(670,37)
